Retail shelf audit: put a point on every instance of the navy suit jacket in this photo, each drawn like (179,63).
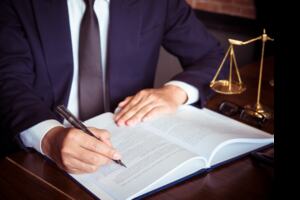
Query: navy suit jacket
(36,63)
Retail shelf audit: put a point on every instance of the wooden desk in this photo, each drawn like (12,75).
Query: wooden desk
(27,175)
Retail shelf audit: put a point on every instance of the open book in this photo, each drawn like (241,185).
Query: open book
(167,149)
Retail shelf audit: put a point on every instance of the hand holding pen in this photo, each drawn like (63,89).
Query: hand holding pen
(66,114)
(76,152)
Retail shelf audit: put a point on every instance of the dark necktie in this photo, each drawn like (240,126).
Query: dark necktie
(90,70)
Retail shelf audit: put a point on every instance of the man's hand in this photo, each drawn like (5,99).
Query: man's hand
(76,152)
(149,103)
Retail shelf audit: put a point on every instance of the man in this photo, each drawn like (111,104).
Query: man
(40,68)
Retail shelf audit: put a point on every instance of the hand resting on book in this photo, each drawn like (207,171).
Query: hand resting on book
(149,103)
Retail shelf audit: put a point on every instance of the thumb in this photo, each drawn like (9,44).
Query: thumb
(102,135)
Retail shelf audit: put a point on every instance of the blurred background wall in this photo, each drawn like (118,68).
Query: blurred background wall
(236,19)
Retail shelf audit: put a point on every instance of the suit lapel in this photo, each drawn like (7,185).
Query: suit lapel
(53,25)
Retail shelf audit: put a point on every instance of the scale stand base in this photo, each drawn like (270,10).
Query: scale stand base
(258,110)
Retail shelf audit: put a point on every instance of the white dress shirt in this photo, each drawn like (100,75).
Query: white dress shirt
(33,136)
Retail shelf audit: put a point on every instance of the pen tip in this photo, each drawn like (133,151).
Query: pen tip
(120,163)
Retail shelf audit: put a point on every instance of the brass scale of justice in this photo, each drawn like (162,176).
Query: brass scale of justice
(232,87)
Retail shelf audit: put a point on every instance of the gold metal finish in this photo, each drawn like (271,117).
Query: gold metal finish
(258,107)
(232,87)
(229,86)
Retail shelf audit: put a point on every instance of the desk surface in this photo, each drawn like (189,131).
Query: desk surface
(27,175)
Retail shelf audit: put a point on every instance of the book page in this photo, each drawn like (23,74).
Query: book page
(147,156)
(167,148)
(203,132)
(236,147)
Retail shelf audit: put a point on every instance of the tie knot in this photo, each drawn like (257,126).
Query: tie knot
(89,2)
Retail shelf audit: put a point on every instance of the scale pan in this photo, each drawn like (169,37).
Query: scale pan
(222,86)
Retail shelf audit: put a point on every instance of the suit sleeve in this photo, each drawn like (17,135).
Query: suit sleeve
(197,50)
(20,107)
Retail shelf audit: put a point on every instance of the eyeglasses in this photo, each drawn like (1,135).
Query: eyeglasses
(247,115)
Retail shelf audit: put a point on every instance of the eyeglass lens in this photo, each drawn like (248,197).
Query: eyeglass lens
(229,109)
(250,116)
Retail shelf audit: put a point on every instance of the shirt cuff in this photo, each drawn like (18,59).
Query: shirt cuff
(191,91)
(32,137)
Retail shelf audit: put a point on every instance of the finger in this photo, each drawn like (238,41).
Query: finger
(140,114)
(102,135)
(92,158)
(125,101)
(154,113)
(135,100)
(69,169)
(72,170)
(133,111)
(90,143)
(141,99)
(77,166)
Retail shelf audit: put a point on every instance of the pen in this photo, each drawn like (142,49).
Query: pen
(66,114)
